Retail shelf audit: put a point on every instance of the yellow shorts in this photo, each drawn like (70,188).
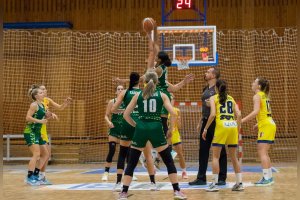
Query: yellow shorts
(176,139)
(44,133)
(266,131)
(226,133)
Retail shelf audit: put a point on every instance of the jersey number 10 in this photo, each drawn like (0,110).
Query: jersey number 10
(152,105)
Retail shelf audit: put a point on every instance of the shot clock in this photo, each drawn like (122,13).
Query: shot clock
(183,4)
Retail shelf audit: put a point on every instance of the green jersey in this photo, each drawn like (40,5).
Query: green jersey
(162,83)
(150,109)
(117,117)
(39,114)
(129,94)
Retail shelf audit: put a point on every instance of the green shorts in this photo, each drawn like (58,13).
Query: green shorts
(34,138)
(149,130)
(116,131)
(127,131)
(166,92)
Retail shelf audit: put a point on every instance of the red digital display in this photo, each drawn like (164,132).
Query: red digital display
(183,4)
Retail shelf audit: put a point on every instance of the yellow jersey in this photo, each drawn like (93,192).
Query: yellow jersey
(265,109)
(224,112)
(226,132)
(46,103)
(44,134)
(176,139)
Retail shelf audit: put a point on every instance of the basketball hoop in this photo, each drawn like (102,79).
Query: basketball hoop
(183,62)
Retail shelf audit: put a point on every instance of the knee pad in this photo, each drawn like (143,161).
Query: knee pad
(168,160)
(122,157)
(133,160)
(111,151)
(164,122)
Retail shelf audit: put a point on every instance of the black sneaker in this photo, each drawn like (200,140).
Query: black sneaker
(197,182)
(221,182)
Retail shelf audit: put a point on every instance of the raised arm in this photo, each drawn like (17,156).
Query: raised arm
(187,79)
(60,106)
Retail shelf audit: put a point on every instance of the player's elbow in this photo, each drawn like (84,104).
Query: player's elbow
(28,118)
(212,114)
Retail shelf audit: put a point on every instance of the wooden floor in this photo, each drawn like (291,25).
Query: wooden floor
(285,186)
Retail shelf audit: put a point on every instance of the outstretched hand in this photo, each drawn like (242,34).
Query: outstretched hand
(117,80)
(189,78)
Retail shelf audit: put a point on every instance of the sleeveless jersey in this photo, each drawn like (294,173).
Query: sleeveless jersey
(150,109)
(265,109)
(129,94)
(162,84)
(224,112)
(117,117)
(39,114)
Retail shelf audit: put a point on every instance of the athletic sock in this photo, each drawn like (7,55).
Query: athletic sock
(107,169)
(152,178)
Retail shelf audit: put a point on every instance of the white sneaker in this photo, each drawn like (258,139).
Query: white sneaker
(134,178)
(142,160)
(105,176)
(153,187)
(178,195)
(117,187)
(174,154)
(212,188)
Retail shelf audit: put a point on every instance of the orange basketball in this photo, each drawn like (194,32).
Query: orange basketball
(148,24)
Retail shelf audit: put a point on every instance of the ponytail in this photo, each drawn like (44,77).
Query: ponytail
(264,85)
(151,79)
(222,89)
(134,80)
(149,89)
(32,92)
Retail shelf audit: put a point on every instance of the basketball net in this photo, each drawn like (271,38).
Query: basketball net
(183,62)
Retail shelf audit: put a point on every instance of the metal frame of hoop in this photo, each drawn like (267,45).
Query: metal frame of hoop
(183,62)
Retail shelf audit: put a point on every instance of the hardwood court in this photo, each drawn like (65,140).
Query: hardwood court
(15,188)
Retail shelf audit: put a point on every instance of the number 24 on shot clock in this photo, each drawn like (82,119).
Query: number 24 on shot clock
(183,4)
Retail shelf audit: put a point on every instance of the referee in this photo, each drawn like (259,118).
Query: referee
(210,77)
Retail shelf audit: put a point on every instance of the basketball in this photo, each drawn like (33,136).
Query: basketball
(148,24)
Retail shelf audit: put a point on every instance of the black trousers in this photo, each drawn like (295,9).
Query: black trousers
(204,153)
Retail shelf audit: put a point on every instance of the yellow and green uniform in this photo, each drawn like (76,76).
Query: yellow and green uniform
(44,133)
(175,139)
(127,131)
(265,123)
(163,86)
(116,119)
(32,132)
(226,131)
(149,126)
